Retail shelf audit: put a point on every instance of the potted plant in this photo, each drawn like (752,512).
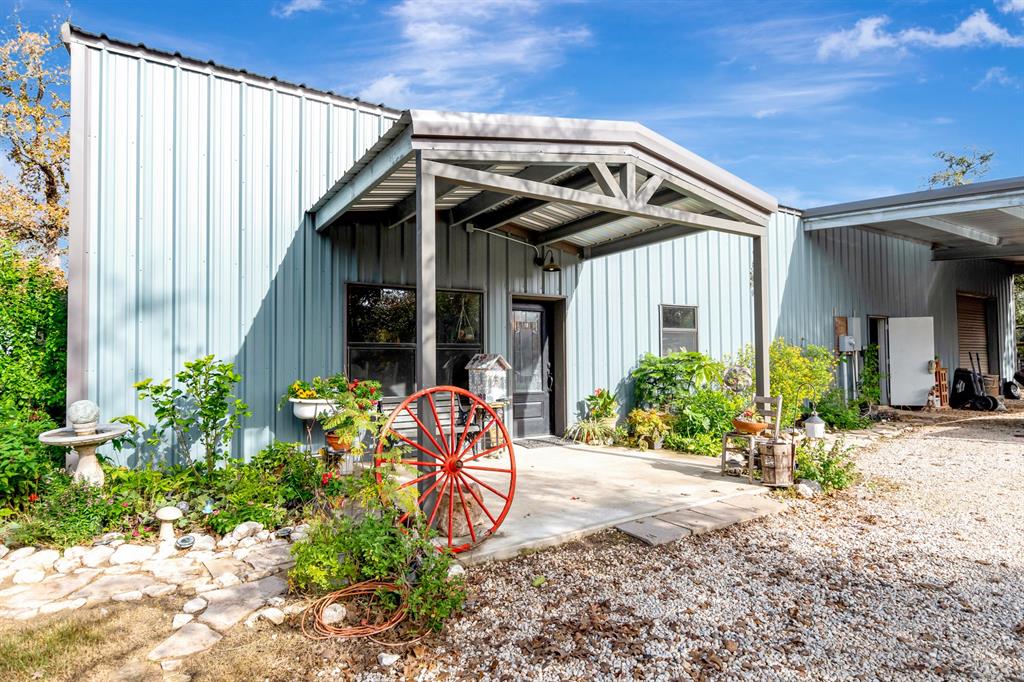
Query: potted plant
(306,400)
(749,421)
(602,406)
(353,411)
(648,428)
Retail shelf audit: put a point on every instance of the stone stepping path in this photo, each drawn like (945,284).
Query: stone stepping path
(241,577)
(671,526)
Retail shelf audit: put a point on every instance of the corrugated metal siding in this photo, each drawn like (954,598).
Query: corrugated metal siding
(819,274)
(198,243)
(197,235)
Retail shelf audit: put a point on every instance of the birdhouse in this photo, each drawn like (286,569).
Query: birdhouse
(488,377)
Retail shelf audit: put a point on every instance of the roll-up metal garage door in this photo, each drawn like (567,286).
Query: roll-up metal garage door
(972,330)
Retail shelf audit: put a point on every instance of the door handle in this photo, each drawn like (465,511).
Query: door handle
(551,378)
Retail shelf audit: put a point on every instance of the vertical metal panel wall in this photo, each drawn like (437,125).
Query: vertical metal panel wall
(194,229)
(190,230)
(819,274)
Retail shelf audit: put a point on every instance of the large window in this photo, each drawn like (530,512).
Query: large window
(678,328)
(382,336)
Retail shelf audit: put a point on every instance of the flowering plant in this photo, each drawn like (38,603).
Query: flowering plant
(601,404)
(750,415)
(333,484)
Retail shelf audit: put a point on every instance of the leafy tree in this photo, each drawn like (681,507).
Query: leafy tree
(33,210)
(961,169)
(33,340)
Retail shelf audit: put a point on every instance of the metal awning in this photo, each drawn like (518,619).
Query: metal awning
(982,220)
(596,187)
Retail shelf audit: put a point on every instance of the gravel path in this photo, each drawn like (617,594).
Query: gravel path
(918,573)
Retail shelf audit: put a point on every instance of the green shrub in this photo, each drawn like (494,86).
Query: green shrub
(840,414)
(660,381)
(701,419)
(33,324)
(199,407)
(799,374)
(647,427)
(67,513)
(24,461)
(340,551)
(591,431)
(870,387)
(295,471)
(829,466)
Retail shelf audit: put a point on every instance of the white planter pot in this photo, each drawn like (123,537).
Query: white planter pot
(309,408)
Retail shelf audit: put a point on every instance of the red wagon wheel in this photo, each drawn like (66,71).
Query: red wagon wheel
(465,461)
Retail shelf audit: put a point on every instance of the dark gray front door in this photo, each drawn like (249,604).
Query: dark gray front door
(533,375)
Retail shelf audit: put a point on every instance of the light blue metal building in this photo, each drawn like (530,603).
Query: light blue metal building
(207,217)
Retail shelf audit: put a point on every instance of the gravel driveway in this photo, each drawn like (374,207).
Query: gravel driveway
(918,573)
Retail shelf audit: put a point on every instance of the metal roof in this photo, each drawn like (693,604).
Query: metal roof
(380,187)
(70,33)
(979,220)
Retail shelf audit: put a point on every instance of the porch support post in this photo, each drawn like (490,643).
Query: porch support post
(426,315)
(426,279)
(762,322)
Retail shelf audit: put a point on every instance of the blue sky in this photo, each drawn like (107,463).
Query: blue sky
(815,102)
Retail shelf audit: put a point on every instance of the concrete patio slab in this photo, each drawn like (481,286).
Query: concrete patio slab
(653,530)
(564,493)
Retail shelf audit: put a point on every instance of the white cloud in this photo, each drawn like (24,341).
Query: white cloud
(293,6)
(870,35)
(459,55)
(1011,6)
(999,76)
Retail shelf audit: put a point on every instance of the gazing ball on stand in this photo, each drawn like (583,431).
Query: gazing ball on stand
(83,416)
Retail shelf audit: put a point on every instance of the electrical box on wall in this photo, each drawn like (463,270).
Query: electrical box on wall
(847,344)
(855,328)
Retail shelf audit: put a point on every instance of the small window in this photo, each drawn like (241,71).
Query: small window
(678,328)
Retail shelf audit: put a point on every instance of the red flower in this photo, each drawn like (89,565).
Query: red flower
(33,498)
(326,478)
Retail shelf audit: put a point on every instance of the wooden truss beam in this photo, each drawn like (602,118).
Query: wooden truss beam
(590,200)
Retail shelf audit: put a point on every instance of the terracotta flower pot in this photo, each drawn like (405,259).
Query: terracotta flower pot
(753,428)
(338,442)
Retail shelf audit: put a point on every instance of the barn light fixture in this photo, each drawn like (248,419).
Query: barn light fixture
(547,266)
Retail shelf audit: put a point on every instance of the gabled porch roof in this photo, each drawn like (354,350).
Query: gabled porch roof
(590,187)
(593,186)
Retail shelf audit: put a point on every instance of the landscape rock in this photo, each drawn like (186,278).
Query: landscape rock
(332,614)
(190,639)
(171,664)
(227,541)
(19,554)
(244,530)
(387,659)
(97,556)
(194,605)
(263,536)
(76,552)
(203,543)
(58,606)
(181,619)
(3,551)
(230,605)
(106,586)
(159,590)
(808,489)
(66,565)
(40,559)
(133,595)
(28,576)
(270,558)
(174,570)
(245,543)
(273,614)
(456,570)
(227,580)
(131,554)
(51,589)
